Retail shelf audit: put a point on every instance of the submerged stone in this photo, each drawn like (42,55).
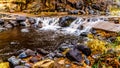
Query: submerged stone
(14,43)
(25,30)
(8,26)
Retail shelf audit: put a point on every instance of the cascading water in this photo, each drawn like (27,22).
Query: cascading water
(91,23)
(73,28)
(48,23)
(52,23)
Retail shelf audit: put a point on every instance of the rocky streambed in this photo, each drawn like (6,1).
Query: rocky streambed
(57,42)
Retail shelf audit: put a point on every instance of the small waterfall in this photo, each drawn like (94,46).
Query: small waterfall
(75,24)
(48,23)
(52,23)
(73,28)
(91,23)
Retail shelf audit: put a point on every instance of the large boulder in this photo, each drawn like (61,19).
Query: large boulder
(74,55)
(85,50)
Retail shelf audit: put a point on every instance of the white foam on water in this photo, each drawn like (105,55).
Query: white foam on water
(73,28)
(91,24)
(49,23)
(52,23)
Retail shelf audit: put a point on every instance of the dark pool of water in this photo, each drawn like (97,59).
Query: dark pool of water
(48,40)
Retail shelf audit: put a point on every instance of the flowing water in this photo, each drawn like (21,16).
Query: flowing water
(47,37)
(49,23)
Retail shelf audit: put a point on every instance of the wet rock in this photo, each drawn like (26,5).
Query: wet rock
(4,65)
(94,19)
(96,7)
(60,9)
(65,21)
(28,65)
(25,30)
(34,59)
(38,24)
(74,55)
(73,12)
(23,55)
(25,23)
(21,67)
(91,12)
(21,50)
(85,50)
(14,23)
(77,63)
(30,52)
(112,39)
(23,61)
(14,43)
(84,34)
(85,39)
(87,60)
(51,55)
(63,47)
(44,64)
(79,5)
(42,51)
(67,65)
(1,22)
(20,19)
(8,26)
(58,55)
(2,29)
(93,31)
(14,60)
(32,20)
